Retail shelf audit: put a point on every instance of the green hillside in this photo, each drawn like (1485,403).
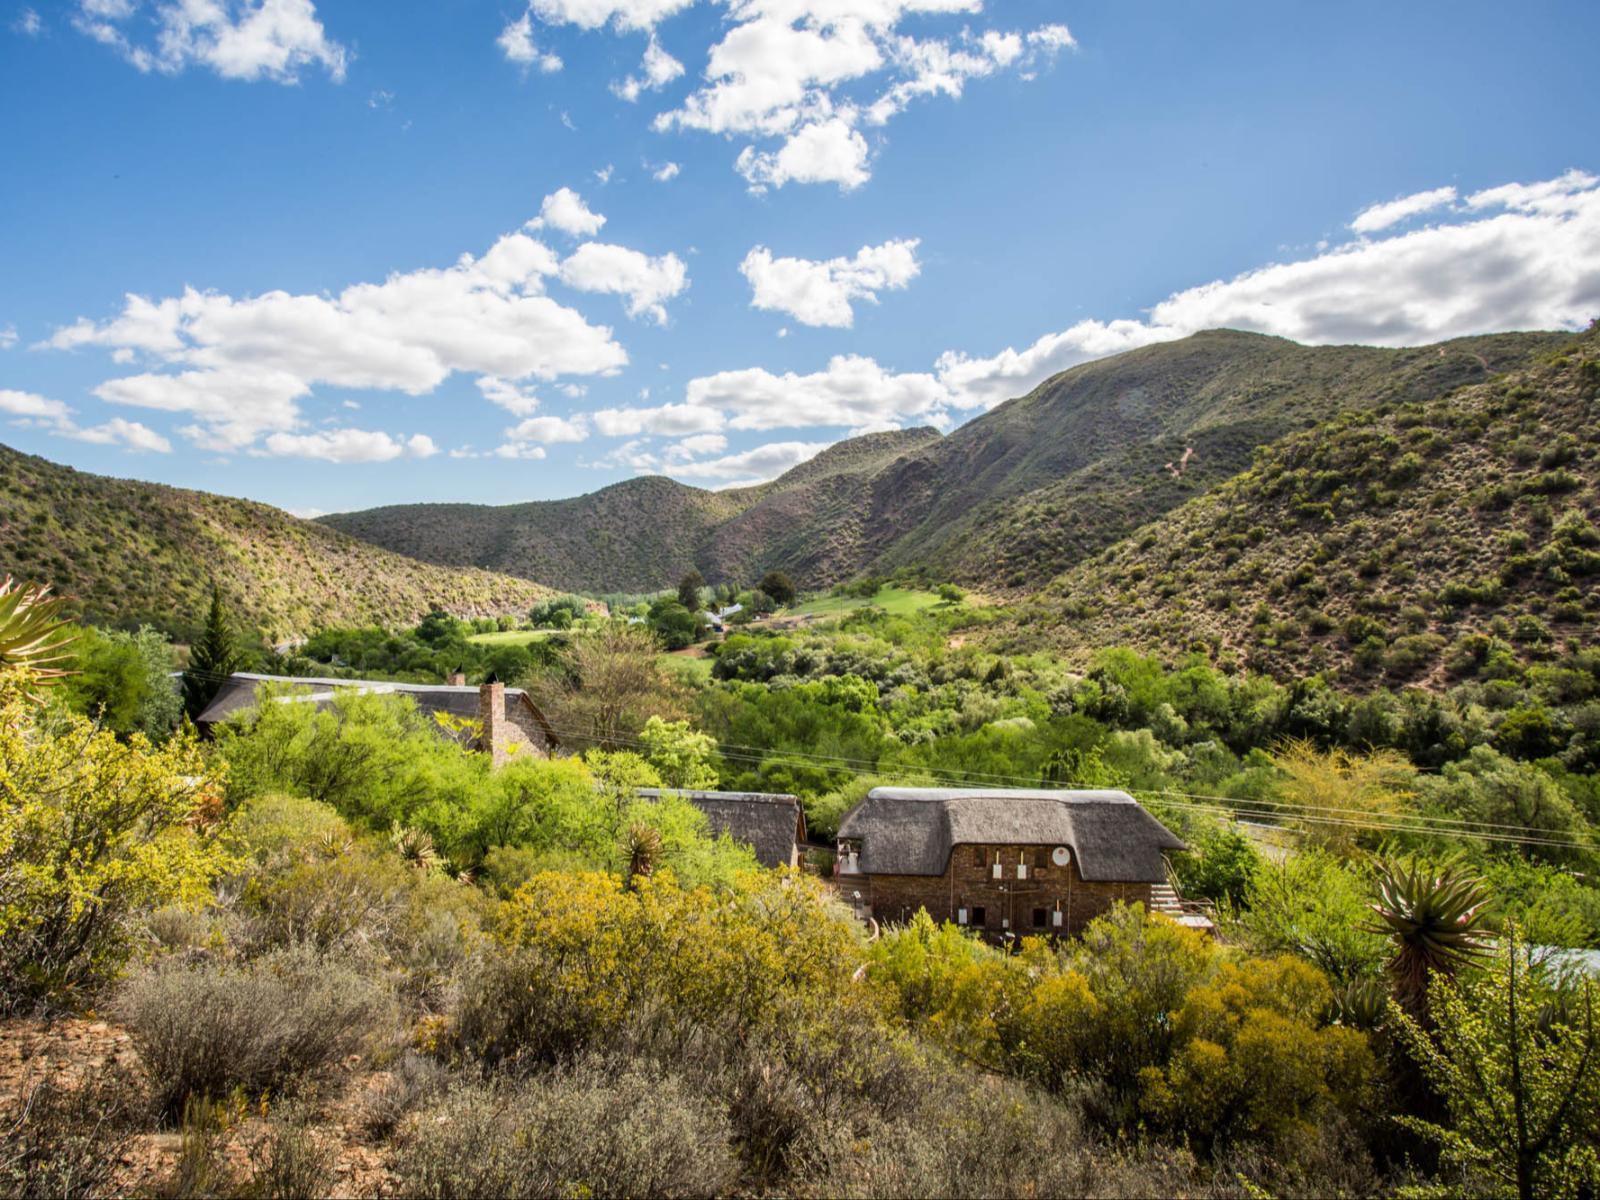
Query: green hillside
(138,552)
(1006,502)
(644,533)
(1414,542)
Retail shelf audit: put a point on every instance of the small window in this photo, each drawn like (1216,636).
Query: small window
(977,856)
(980,916)
(1039,918)
(1041,859)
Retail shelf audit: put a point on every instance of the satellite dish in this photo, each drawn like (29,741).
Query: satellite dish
(1061,856)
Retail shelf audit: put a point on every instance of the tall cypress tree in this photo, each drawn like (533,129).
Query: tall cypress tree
(214,656)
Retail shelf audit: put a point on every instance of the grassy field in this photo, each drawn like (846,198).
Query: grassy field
(515,637)
(688,668)
(899,601)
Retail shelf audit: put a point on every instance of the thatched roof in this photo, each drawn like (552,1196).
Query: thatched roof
(910,831)
(238,692)
(770,824)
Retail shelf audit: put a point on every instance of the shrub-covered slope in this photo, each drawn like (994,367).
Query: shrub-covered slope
(125,552)
(1411,542)
(646,533)
(1007,501)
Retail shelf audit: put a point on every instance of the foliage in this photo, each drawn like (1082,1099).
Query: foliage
(608,687)
(63,1140)
(1341,799)
(1221,865)
(1314,905)
(689,590)
(265,1026)
(124,681)
(779,586)
(596,1128)
(91,830)
(1519,1071)
(1434,918)
(33,634)
(682,757)
(214,656)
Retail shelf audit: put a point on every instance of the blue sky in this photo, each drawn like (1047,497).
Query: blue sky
(333,254)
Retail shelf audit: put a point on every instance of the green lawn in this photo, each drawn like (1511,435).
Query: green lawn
(899,601)
(516,637)
(690,670)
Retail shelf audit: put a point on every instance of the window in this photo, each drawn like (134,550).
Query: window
(1039,918)
(977,856)
(979,916)
(1041,858)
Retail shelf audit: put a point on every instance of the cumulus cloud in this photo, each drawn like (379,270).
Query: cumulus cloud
(8,336)
(665,172)
(820,293)
(656,70)
(238,39)
(1518,256)
(28,23)
(697,446)
(549,430)
(667,420)
(644,282)
(1392,212)
(853,390)
(565,210)
(514,398)
(240,367)
(37,411)
(516,43)
(821,152)
(348,446)
(623,15)
(808,72)
(757,465)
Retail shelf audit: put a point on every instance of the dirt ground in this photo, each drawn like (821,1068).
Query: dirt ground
(70,1052)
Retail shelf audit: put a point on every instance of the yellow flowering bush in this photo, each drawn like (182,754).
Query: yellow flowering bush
(92,829)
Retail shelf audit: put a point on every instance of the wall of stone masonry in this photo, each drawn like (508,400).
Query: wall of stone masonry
(1009,903)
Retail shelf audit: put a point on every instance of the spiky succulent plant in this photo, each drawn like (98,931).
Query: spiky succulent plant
(32,633)
(644,849)
(1434,917)
(415,847)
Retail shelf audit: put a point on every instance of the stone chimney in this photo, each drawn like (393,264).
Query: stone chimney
(492,715)
(458,678)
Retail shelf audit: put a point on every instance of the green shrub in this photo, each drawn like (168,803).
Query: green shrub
(204,1030)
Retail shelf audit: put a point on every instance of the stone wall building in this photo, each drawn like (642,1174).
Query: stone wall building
(1003,861)
(771,824)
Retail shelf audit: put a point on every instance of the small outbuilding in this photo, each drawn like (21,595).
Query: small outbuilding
(1003,861)
(771,824)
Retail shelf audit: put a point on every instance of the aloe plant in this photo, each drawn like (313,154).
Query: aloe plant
(32,633)
(1435,920)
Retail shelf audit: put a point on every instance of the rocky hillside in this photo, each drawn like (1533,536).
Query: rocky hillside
(135,552)
(1417,541)
(1005,502)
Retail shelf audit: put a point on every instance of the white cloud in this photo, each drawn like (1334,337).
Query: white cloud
(516,43)
(667,420)
(550,430)
(136,437)
(1392,212)
(244,364)
(348,446)
(757,465)
(28,23)
(656,71)
(644,281)
(307,514)
(604,174)
(32,405)
(238,39)
(790,69)
(820,293)
(517,400)
(38,411)
(525,450)
(665,172)
(697,446)
(822,152)
(852,391)
(624,15)
(565,210)
(8,336)
(1535,264)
